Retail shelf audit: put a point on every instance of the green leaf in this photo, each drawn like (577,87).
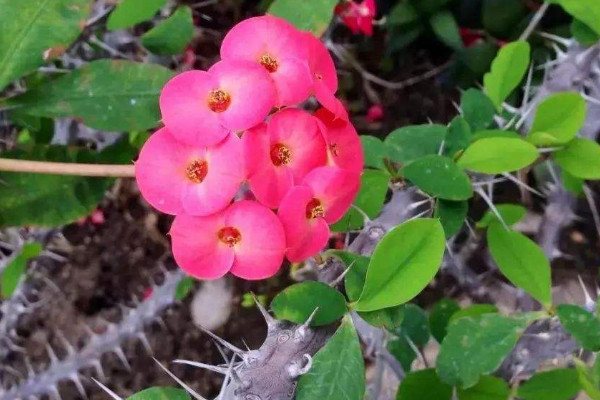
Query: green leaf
(412,142)
(475,346)
(413,331)
(53,200)
(474,310)
(338,370)
(488,388)
(587,11)
(403,263)
(477,109)
(583,33)
(522,261)
(185,286)
(370,199)
(589,378)
(440,177)
(160,393)
(429,6)
(297,302)
(510,213)
(508,69)
(558,119)
(402,13)
(111,95)
(558,384)
(458,137)
(313,16)
(132,12)
(501,17)
(572,184)
(581,324)
(452,215)
(34,31)
(580,158)
(423,385)
(171,35)
(12,273)
(497,155)
(354,282)
(494,133)
(439,317)
(445,27)
(374,151)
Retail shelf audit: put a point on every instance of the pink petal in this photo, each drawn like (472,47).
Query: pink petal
(251,89)
(336,188)
(305,237)
(222,182)
(344,146)
(321,63)
(255,143)
(300,132)
(260,252)
(329,101)
(184,107)
(160,172)
(293,81)
(197,249)
(270,184)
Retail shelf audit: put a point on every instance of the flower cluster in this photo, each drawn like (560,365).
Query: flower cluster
(250,177)
(358,17)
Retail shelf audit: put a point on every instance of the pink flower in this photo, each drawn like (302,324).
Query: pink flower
(306,211)
(358,16)
(344,148)
(245,239)
(202,107)
(325,82)
(280,153)
(375,113)
(278,47)
(175,177)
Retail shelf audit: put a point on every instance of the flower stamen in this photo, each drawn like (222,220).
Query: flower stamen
(218,100)
(196,171)
(314,209)
(230,236)
(280,154)
(269,62)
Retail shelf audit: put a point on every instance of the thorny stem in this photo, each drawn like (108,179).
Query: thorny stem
(534,21)
(59,168)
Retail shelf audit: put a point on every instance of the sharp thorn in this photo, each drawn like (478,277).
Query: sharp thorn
(213,368)
(180,382)
(119,353)
(223,342)
(107,390)
(268,318)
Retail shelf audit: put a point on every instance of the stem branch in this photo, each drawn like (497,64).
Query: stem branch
(59,168)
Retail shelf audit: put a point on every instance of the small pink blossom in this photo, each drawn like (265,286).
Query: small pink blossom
(306,211)
(344,148)
(97,217)
(175,177)
(245,239)
(279,47)
(375,113)
(280,153)
(358,16)
(202,107)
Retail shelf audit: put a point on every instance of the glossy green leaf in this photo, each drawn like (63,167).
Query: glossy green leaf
(439,317)
(403,264)
(423,385)
(445,27)
(497,155)
(297,302)
(488,388)
(583,33)
(172,35)
(132,12)
(370,199)
(185,286)
(54,200)
(558,119)
(313,16)
(508,69)
(587,11)
(522,261)
(476,346)
(160,393)
(112,95)
(589,378)
(580,158)
(474,310)
(510,213)
(33,32)
(495,133)
(477,109)
(572,184)
(557,384)
(581,324)
(338,370)
(402,13)
(14,270)
(452,215)
(440,177)
(413,331)
(374,151)
(412,142)
(458,137)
